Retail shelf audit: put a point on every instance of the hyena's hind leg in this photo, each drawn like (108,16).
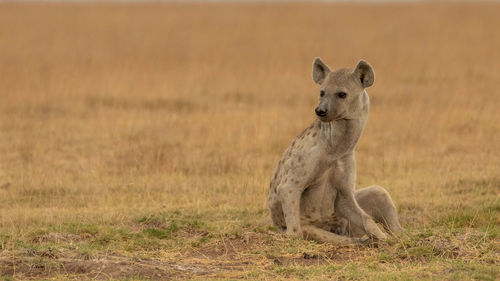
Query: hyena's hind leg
(377,202)
(312,232)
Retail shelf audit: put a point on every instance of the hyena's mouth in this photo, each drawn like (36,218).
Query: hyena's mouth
(327,118)
(339,117)
(324,118)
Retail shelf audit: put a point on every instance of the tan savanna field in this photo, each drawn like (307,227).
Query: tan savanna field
(137,141)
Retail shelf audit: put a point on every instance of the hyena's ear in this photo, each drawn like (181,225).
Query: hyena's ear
(364,73)
(320,71)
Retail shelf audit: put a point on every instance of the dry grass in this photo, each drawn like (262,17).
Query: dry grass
(150,131)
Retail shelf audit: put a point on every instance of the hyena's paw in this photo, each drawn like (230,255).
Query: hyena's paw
(340,226)
(340,230)
(373,230)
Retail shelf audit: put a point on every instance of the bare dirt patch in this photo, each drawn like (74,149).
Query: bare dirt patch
(228,256)
(99,268)
(245,248)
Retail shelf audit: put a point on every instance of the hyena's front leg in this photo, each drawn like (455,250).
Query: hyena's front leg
(346,206)
(342,179)
(289,195)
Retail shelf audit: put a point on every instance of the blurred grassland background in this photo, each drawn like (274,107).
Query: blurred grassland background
(113,115)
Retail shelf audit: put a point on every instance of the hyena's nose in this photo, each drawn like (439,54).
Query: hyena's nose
(320,112)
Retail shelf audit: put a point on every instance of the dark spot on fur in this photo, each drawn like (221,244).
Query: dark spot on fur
(295,229)
(314,134)
(296,182)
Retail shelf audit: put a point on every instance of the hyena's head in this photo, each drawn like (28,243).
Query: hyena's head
(342,93)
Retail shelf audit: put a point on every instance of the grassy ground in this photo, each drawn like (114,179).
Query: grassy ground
(137,141)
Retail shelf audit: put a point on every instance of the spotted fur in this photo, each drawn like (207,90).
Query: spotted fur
(311,194)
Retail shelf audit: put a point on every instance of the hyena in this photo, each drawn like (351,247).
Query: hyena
(312,193)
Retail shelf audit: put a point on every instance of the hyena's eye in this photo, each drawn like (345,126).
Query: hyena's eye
(321,93)
(341,95)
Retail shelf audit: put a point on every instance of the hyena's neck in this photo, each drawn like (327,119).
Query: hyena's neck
(340,136)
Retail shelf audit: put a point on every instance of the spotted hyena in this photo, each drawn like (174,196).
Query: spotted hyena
(312,194)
